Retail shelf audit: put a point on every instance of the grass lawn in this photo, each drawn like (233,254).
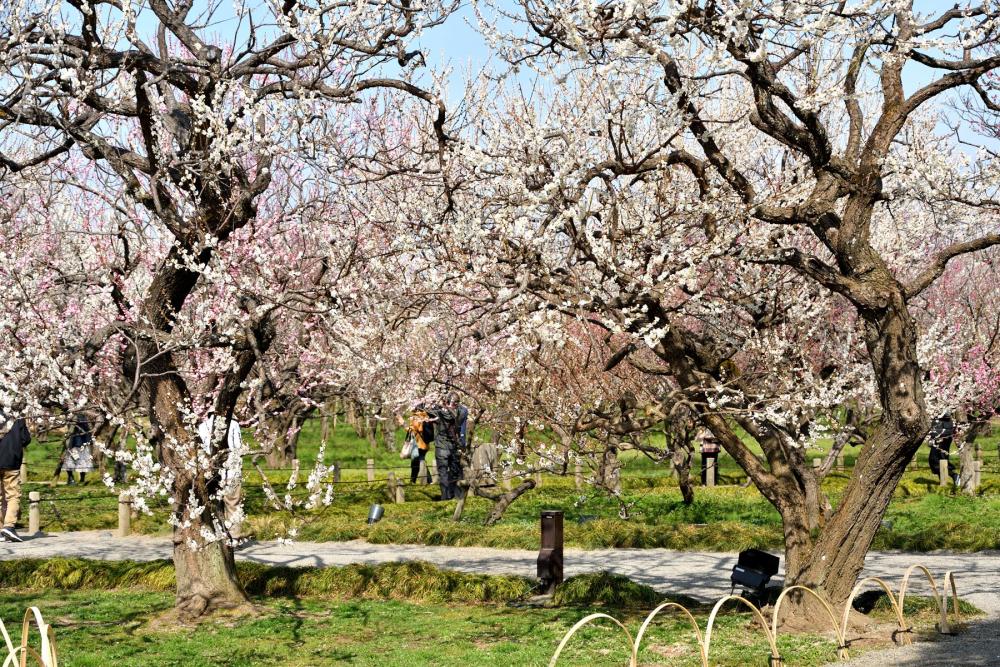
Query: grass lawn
(387,615)
(727,518)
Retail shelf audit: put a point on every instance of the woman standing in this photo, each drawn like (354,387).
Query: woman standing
(421,430)
(78,456)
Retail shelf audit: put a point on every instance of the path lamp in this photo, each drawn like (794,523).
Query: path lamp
(550,555)
(375,513)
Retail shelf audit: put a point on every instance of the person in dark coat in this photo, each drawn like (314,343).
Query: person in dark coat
(449,444)
(16,437)
(78,456)
(940,437)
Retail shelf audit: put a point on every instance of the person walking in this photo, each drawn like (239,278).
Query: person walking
(16,437)
(448,445)
(78,456)
(231,475)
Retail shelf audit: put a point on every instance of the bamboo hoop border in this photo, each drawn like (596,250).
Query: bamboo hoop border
(771,632)
(48,656)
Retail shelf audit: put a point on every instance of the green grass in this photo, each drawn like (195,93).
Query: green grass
(95,629)
(392,614)
(726,518)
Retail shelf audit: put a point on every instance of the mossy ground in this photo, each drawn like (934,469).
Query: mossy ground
(727,518)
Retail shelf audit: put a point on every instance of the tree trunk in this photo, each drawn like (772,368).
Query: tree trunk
(681,460)
(206,572)
(609,473)
(206,575)
(832,562)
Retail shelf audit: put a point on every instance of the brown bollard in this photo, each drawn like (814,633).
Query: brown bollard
(34,513)
(550,555)
(124,515)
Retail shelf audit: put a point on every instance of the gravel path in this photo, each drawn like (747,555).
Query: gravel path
(701,575)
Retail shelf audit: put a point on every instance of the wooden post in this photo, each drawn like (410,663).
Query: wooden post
(710,471)
(371,470)
(34,513)
(943,472)
(578,474)
(817,464)
(507,486)
(336,471)
(395,489)
(977,472)
(422,473)
(24,473)
(538,478)
(124,515)
(840,462)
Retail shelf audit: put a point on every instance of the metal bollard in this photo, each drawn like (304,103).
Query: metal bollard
(24,473)
(943,472)
(124,515)
(371,470)
(550,555)
(34,513)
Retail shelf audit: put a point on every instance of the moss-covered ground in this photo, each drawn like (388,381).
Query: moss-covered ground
(922,517)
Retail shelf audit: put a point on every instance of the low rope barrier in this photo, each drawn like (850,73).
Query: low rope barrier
(18,655)
(770,631)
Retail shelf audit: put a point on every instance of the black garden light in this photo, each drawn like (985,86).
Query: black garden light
(550,555)
(375,513)
(752,571)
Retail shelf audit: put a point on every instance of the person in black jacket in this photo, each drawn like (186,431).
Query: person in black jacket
(939,438)
(449,444)
(16,438)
